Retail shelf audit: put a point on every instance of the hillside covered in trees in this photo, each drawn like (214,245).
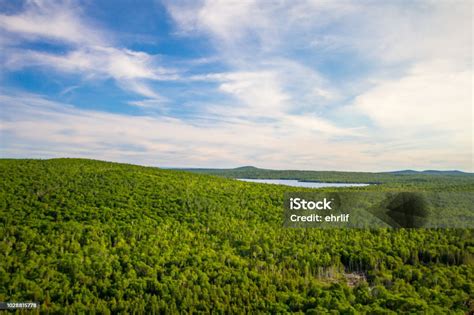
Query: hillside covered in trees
(406,179)
(83,236)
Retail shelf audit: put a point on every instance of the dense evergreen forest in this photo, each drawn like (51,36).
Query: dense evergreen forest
(82,236)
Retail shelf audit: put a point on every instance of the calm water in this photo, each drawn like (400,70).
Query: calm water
(297,183)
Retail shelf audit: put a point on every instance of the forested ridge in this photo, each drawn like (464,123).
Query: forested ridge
(90,236)
(407,179)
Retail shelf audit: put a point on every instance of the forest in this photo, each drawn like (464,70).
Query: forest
(455,180)
(87,236)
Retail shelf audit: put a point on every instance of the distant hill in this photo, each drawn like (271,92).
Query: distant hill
(250,168)
(395,178)
(430,172)
(246,168)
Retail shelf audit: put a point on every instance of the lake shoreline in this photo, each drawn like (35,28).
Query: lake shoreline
(301,183)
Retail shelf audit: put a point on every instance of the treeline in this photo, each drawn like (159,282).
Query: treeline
(89,236)
(456,181)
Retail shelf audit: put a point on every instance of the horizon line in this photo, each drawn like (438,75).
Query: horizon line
(236,167)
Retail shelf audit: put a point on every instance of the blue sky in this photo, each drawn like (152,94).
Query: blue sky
(323,85)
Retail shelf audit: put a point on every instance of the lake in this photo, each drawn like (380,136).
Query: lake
(297,183)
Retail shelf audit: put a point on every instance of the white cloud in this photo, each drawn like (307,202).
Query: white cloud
(387,31)
(423,30)
(267,96)
(273,88)
(228,20)
(90,53)
(429,106)
(259,91)
(267,25)
(62,130)
(153,103)
(416,99)
(120,64)
(427,97)
(51,21)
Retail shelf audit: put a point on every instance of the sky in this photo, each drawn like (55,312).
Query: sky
(304,84)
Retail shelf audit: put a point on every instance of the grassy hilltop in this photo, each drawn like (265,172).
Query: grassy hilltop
(82,235)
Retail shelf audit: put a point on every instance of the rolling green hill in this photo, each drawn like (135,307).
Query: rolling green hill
(83,236)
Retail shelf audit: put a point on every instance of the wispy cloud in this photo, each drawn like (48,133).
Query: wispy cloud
(90,52)
(50,20)
(416,91)
(95,61)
